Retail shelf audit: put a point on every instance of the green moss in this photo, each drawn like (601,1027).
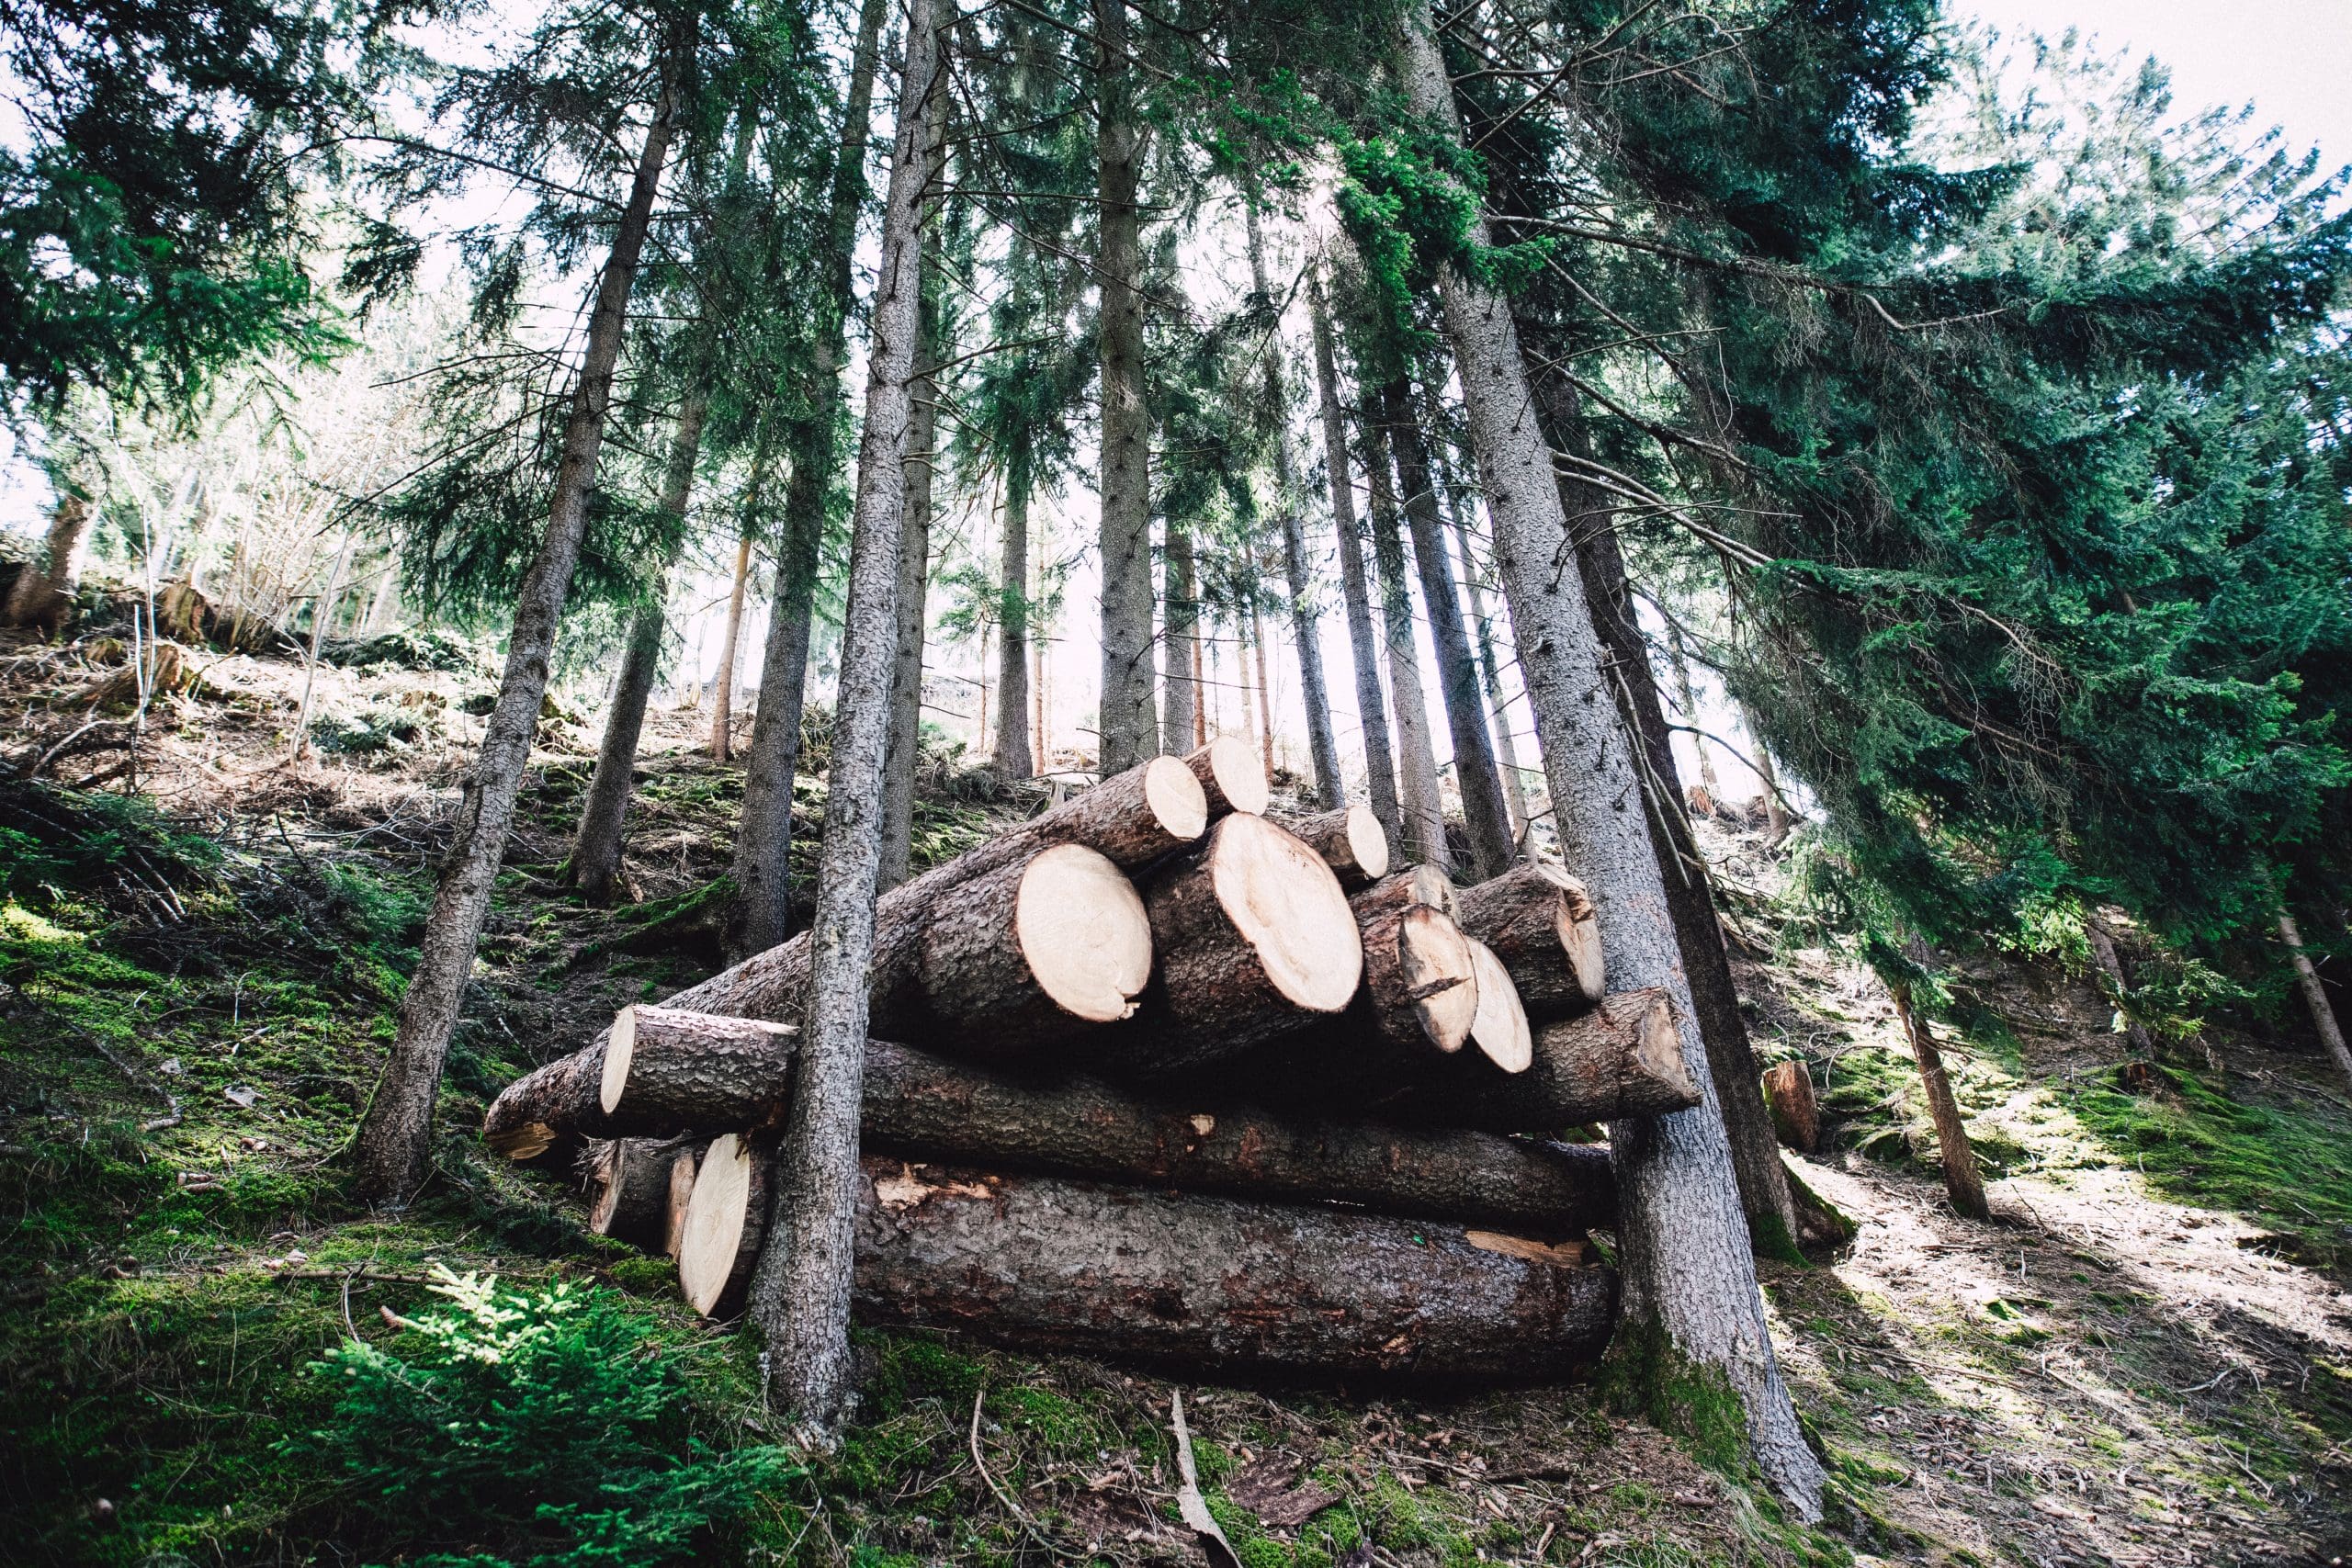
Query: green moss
(1647,1375)
(1770,1239)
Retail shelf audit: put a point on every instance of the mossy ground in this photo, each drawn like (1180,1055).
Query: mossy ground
(167,1280)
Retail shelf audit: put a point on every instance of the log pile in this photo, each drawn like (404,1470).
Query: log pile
(1158,1076)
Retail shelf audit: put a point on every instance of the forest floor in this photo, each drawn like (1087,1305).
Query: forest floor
(2146,1358)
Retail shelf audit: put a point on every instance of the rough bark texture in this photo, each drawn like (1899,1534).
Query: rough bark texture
(762,864)
(596,862)
(1372,708)
(392,1148)
(1180,693)
(1689,1291)
(1045,1264)
(40,592)
(1489,668)
(1012,755)
(1349,840)
(549,1110)
(1797,1114)
(905,753)
(2323,1020)
(1230,923)
(629,1182)
(1485,814)
(1961,1183)
(1540,923)
(802,1291)
(667,1070)
(2118,989)
(1424,802)
(1129,726)
(1618,1060)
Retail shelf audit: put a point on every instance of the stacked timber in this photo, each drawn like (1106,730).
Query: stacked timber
(1156,1074)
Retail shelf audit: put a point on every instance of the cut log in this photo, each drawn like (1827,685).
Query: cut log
(726,1217)
(919,1106)
(1421,984)
(546,1112)
(1413,885)
(1624,1058)
(1797,1114)
(1539,920)
(683,1172)
(1043,1264)
(1349,840)
(1030,955)
(665,1069)
(1254,940)
(1231,777)
(629,1183)
(1500,1032)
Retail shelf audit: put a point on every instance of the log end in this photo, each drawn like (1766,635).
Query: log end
(1580,941)
(1083,931)
(1231,776)
(1366,843)
(527,1141)
(1440,972)
(1501,1030)
(1176,799)
(712,1269)
(620,1047)
(1284,901)
(1659,1077)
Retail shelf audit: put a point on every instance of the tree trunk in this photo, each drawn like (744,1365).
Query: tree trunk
(1424,802)
(1128,726)
(1265,691)
(1483,813)
(1012,757)
(1416,884)
(722,701)
(37,596)
(1688,700)
(1691,1295)
(762,865)
(1380,767)
(1349,840)
(1180,696)
(595,862)
(2322,1011)
(1539,920)
(2118,989)
(904,756)
(1045,1264)
(1323,749)
(1491,670)
(1961,1183)
(392,1148)
(1796,1114)
(1776,810)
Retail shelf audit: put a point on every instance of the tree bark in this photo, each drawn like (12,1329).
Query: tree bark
(803,1287)
(1380,767)
(1539,920)
(1180,696)
(1491,670)
(1349,840)
(1323,749)
(1424,803)
(595,862)
(2322,1011)
(1416,884)
(762,859)
(723,700)
(1012,757)
(1688,700)
(37,596)
(1128,726)
(1044,1264)
(628,1183)
(392,1148)
(1961,1183)
(905,751)
(1796,1114)
(1484,812)
(2118,989)
(1690,1294)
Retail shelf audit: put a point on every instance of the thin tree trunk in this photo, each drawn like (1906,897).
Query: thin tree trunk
(1042,752)
(595,862)
(1691,1295)
(1013,758)
(1688,700)
(1200,710)
(1127,724)
(1424,801)
(800,1295)
(722,703)
(39,588)
(322,611)
(392,1149)
(1379,765)
(1961,1183)
(761,866)
(2331,1032)
(2118,989)
(905,751)
(1490,671)
(1180,695)
(1265,701)
(1776,810)
(1323,749)
(1484,812)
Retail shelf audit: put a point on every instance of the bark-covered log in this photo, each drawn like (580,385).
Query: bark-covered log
(1231,777)
(1796,1114)
(1415,883)
(666,1070)
(718,1241)
(1500,1032)
(629,1187)
(1350,841)
(1538,921)
(1254,939)
(919,1106)
(548,1110)
(1624,1058)
(1044,1264)
(1421,984)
